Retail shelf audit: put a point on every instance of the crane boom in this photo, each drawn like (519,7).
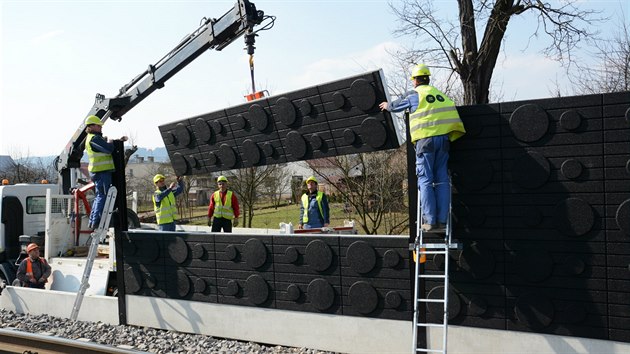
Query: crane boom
(212,34)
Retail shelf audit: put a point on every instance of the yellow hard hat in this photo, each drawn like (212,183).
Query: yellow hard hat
(222,179)
(93,120)
(158,177)
(420,70)
(312,178)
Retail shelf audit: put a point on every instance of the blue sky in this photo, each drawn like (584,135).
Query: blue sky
(56,55)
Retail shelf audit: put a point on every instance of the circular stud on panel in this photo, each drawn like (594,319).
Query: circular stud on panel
(232,288)
(227,156)
(435,310)
(199,285)
(256,289)
(268,149)
(305,107)
(251,152)
(574,217)
(184,136)
(361,256)
(393,300)
(320,294)
(291,255)
(477,306)
(318,255)
(203,131)
(217,127)
(571,168)
(180,164)
(373,132)
(622,216)
(293,292)
(349,136)
(338,100)
(255,253)
(198,251)
(231,253)
(529,123)
(316,141)
(239,121)
(296,145)
(183,283)
(258,117)
(362,94)
(391,259)
(363,297)
(170,138)
(133,279)
(570,120)
(194,163)
(285,110)
(178,250)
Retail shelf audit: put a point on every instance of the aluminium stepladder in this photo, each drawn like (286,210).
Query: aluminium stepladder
(97,237)
(422,247)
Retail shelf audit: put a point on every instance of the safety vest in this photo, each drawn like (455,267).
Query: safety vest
(167,211)
(98,161)
(29,270)
(223,210)
(305,199)
(436,115)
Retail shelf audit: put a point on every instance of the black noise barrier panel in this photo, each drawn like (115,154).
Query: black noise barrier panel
(344,275)
(331,119)
(542,208)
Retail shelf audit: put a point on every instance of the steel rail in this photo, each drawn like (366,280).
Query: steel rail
(14,341)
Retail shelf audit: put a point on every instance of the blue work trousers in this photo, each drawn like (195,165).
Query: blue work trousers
(433,182)
(102,182)
(169,226)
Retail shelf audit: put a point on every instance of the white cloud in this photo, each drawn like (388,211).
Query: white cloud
(333,68)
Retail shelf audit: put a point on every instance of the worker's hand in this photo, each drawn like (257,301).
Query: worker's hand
(123,138)
(209,221)
(235,222)
(383,106)
(300,227)
(173,185)
(33,280)
(43,280)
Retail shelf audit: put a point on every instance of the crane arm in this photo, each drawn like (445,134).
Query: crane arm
(212,34)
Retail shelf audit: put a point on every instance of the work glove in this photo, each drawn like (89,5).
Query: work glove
(235,223)
(209,221)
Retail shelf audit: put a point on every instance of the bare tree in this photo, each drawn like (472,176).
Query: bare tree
(246,182)
(373,184)
(611,71)
(27,169)
(454,45)
(276,184)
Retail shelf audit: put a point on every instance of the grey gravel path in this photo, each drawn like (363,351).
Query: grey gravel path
(138,338)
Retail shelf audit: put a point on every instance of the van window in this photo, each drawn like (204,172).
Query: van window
(36,205)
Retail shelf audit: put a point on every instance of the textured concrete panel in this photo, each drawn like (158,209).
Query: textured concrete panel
(332,119)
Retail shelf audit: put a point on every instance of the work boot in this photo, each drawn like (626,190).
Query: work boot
(429,227)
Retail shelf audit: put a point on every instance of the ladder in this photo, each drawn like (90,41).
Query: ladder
(437,242)
(97,237)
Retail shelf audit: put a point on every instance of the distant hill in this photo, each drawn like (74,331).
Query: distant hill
(159,154)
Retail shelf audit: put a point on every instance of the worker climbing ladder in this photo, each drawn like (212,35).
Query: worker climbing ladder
(434,242)
(97,237)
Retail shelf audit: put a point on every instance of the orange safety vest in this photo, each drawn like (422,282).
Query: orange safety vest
(29,267)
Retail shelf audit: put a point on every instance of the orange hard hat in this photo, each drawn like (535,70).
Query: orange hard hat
(5,182)
(31,247)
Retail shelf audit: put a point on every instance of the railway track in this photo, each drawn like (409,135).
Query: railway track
(12,341)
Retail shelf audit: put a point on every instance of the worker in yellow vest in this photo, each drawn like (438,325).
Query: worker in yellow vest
(314,211)
(164,202)
(223,211)
(433,123)
(100,166)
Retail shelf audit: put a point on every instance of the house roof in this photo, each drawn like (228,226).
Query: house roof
(5,162)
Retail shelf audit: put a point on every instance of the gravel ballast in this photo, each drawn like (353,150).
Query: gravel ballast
(138,338)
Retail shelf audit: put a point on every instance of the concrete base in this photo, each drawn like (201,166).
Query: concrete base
(345,334)
(59,304)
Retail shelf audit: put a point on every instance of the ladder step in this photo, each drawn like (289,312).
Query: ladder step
(430,325)
(431,300)
(422,350)
(432,276)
